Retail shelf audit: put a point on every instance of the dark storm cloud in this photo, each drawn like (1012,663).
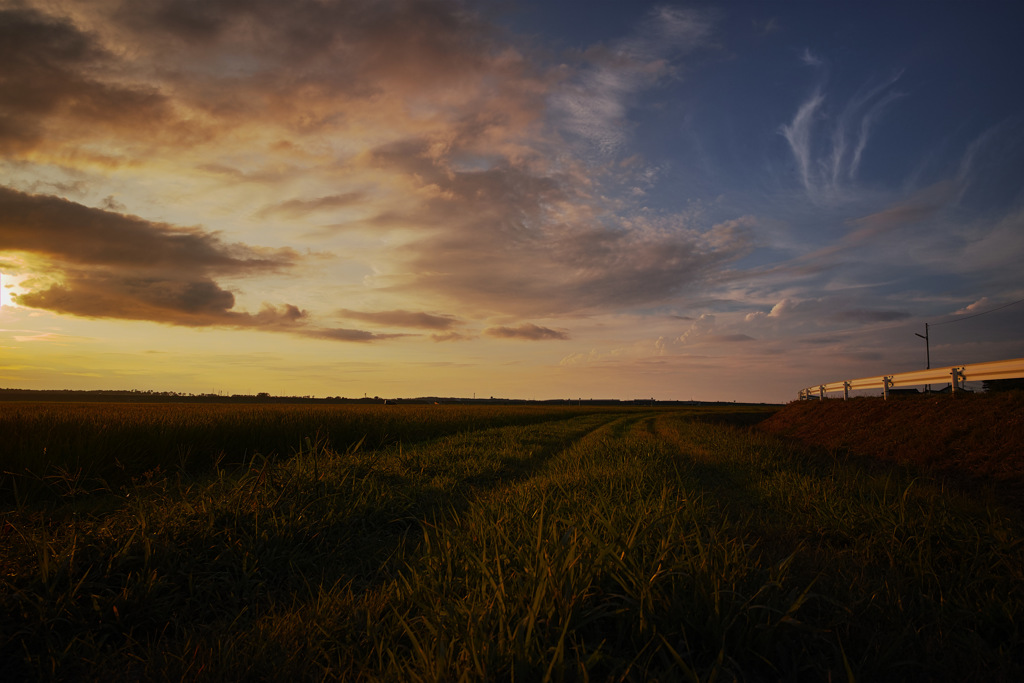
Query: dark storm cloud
(401,318)
(527,331)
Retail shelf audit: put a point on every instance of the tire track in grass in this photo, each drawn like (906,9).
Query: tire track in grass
(696,447)
(437,482)
(497,464)
(500,465)
(489,458)
(601,565)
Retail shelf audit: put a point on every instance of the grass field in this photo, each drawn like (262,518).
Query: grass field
(474,543)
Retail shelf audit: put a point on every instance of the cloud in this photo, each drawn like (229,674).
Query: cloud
(297,60)
(797,316)
(981,304)
(347,335)
(867,316)
(798,135)
(573,268)
(867,121)
(829,156)
(61,83)
(93,294)
(527,331)
(809,58)
(594,102)
(103,264)
(140,83)
(731,338)
(450,336)
(479,226)
(301,207)
(766,27)
(400,318)
(701,327)
(72,233)
(416,114)
(905,213)
(703,330)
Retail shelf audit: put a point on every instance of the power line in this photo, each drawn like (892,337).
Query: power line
(968,317)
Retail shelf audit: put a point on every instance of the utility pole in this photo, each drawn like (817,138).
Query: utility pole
(927,347)
(927,353)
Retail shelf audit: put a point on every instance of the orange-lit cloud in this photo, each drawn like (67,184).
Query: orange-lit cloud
(102,264)
(527,331)
(75,234)
(402,319)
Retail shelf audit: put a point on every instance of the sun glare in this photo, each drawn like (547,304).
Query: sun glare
(8,290)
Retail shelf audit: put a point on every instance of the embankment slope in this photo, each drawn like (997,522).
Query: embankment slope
(971,438)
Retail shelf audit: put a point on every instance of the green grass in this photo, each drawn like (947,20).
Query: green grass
(626,545)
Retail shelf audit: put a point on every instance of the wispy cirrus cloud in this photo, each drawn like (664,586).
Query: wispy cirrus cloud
(594,103)
(828,144)
(810,59)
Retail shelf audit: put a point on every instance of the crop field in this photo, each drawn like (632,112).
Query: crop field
(478,543)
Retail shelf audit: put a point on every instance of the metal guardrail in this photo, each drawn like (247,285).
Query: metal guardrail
(956,375)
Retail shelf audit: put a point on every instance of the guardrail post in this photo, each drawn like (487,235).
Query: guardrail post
(957,375)
(846,391)
(821,392)
(886,383)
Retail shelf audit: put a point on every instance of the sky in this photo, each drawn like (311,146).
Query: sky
(561,199)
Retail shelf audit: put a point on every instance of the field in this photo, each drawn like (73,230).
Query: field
(527,543)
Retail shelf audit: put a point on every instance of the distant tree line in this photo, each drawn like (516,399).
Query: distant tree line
(1016,384)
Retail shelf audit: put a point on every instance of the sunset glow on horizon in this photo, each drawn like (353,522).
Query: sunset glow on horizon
(530,200)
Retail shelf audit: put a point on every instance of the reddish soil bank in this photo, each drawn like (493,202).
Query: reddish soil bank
(971,437)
